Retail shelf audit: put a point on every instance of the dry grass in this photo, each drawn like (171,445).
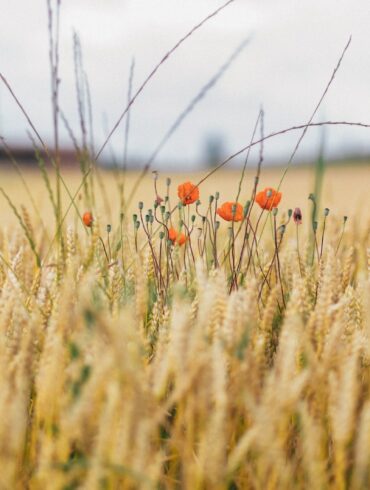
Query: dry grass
(105,382)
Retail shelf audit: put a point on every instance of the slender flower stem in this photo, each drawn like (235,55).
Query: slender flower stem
(322,237)
(278,262)
(341,236)
(105,250)
(298,252)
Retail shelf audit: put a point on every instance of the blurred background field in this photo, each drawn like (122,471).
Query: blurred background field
(345,189)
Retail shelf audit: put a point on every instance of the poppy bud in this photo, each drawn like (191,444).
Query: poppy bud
(168,181)
(297,216)
(290,212)
(246,208)
(217,195)
(141,205)
(109,228)
(326,212)
(275,211)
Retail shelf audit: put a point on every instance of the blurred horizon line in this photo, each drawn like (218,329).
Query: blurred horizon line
(24,155)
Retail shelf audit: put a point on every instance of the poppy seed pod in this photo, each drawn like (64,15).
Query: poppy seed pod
(246,208)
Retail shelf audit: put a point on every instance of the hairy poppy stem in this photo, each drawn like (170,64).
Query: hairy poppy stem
(326,212)
(105,250)
(278,262)
(341,236)
(298,252)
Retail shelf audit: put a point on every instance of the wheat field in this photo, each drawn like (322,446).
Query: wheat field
(180,330)
(136,362)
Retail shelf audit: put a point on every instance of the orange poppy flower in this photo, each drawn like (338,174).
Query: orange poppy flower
(88,219)
(188,193)
(175,237)
(226,211)
(268,198)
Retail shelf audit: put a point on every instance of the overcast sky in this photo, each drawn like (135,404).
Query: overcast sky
(295,45)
